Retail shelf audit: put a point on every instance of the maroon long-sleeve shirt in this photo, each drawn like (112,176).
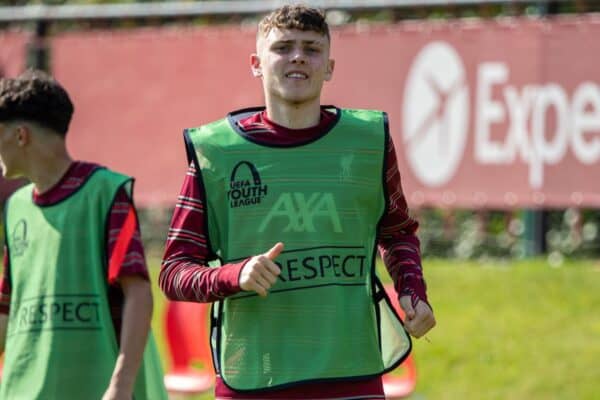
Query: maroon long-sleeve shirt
(185,274)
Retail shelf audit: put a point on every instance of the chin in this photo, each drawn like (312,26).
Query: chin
(8,174)
(295,102)
(298,99)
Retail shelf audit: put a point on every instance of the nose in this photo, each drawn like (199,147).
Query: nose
(298,57)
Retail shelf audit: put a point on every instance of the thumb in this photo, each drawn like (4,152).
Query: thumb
(406,304)
(274,251)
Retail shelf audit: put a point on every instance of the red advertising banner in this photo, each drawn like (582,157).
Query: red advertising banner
(484,114)
(135,92)
(12,63)
(13,48)
(490,113)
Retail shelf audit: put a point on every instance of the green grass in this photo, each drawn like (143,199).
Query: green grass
(518,330)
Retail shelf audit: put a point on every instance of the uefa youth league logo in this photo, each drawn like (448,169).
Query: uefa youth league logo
(245,186)
(19,239)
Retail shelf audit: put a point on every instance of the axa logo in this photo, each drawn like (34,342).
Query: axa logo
(300,212)
(19,239)
(435,113)
(245,186)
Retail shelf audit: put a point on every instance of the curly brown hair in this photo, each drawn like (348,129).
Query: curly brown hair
(35,96)
(298,17)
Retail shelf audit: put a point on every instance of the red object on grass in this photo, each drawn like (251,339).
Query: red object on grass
(400,382)
(186,326)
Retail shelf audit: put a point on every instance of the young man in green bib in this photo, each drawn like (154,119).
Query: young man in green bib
(75,299)
(292,200)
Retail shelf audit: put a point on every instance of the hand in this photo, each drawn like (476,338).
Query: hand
(419,320)
(114,393)
(260,272)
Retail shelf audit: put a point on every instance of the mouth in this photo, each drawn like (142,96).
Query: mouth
(296,75)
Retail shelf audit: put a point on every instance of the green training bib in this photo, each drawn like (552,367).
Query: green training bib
(323,199)
(61,341)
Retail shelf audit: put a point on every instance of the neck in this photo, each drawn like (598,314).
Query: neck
(48,168)
(294,116)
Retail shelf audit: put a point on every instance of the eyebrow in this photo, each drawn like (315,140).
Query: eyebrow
(290,41)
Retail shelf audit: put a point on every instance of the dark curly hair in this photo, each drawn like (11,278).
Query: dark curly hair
(298,17)
(35,96)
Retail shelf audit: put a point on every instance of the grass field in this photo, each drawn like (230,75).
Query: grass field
(504,331)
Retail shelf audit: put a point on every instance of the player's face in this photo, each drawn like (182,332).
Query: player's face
(293,64)
(9,149)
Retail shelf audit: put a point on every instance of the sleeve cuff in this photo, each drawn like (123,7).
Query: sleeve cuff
(228,278)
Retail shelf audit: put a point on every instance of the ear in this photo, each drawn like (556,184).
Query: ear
(23,135)
(329,71)
(255,65)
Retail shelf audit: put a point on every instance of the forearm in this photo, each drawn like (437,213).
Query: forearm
(137,314)
(181,279)
(401,256)
(185,274)
(398,242)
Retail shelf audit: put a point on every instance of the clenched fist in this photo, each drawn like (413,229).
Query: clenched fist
(419,320)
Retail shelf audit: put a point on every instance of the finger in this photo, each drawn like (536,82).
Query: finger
(262,281)
(274,251)
(406,304)
(256,287)
(418,330)
(269,275)
(424,314)
(266,264)
(422,330)
(269,265)
(423,323)
(257,276)
(411,328)
(418,325)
